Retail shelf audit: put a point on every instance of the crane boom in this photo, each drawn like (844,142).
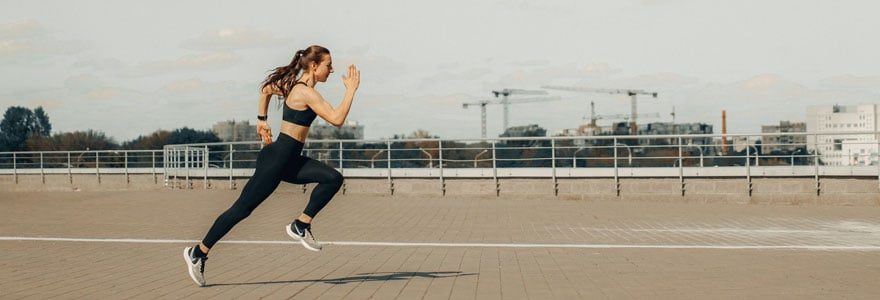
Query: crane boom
(504,101)
(632,93)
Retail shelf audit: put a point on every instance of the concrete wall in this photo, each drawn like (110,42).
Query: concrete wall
(860,191)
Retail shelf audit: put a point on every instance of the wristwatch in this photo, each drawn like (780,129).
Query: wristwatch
(262,118)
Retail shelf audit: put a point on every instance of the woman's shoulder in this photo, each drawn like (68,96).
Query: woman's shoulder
(305,92)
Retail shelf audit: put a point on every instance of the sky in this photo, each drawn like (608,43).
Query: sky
(128,68)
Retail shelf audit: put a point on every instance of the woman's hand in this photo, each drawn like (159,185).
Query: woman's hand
(264,131)
(353,79)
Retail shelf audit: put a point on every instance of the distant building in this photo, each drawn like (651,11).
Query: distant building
(843,149)
(656,128)
(349,131)
(232,131)
(525,131)
(669,128)
(783,143)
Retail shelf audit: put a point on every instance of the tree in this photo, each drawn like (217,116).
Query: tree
(17,125)
(187,135)
(72,141)
(42,127)
(149,142)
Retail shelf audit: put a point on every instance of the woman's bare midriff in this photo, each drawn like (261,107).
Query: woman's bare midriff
(297,132)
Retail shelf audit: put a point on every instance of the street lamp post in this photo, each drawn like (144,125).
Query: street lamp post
(628,153)
(430,158)
(793,155)
(701,152)
(478,155)
(372,159)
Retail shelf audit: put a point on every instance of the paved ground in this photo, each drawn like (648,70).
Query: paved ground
(128,245)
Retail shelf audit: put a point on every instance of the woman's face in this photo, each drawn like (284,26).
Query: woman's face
(324,69)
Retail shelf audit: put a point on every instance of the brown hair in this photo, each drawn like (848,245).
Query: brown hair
(284,77)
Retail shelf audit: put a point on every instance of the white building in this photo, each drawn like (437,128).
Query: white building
(836,149)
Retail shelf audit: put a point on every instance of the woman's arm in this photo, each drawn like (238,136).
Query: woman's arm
(263,129)
(337,116)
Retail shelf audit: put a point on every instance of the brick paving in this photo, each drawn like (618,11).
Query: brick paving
(485,248)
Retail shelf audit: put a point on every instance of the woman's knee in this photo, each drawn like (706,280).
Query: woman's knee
(235,215)
(335,178)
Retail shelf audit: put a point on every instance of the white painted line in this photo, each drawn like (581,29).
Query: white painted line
(469,245)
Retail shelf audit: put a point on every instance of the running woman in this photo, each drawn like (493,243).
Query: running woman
(282,160)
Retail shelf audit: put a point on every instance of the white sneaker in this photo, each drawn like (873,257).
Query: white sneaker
(195,266)
(303,236)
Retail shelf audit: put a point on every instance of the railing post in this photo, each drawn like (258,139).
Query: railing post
(153,164)
(231,170)
(168,162)
(681,166)
(440,162)
(14,168)
(553,166)
(341,166)
(749,165)
(42,173)
(205,162)
(171,166)
(877,138)
(166,156)
(616,177)
(340,157)
(390,181)
(495,172)
(125,165)
(69,175)
(97,165)
(186,164)
(816,168)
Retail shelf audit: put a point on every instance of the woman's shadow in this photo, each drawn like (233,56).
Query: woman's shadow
(364,277)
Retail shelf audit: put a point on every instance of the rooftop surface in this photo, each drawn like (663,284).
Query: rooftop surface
(128,244)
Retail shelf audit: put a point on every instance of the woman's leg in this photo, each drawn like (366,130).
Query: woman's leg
(267,176)
(306,170)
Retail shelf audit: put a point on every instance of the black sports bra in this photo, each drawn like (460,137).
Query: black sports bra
(298,117)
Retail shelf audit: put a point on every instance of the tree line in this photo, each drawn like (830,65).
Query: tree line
(23,129)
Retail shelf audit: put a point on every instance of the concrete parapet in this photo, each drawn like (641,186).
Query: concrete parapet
(857,191)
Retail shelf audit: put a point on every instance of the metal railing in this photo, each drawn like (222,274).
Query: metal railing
(681,156)
(670,156)
(95,162)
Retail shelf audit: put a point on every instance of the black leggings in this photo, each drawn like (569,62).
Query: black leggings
(278,161)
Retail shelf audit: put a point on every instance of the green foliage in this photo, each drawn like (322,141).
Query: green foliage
(19,124)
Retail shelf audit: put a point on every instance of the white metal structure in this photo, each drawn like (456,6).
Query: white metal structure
(506,102)
(630,92)
(504,93)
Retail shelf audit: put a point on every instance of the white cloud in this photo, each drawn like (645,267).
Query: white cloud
(22,42)
(186,63)
(849,81)
(83,82)
(20,29)
(233,39)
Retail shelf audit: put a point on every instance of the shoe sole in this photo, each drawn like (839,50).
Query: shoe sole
(296,237)
(189,266)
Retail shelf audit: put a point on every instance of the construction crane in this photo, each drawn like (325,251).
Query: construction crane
(594,116)
(632,93)
(622,117)
(504,93)
(483,103)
